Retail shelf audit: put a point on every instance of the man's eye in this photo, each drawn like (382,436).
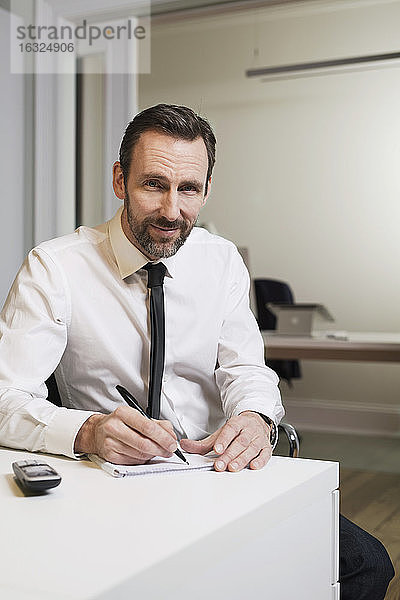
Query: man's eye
(188,188)
(152,183)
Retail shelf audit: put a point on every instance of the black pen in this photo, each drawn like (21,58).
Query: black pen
(129,399)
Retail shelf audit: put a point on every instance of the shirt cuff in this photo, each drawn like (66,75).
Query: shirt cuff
(254,406)
(63,429)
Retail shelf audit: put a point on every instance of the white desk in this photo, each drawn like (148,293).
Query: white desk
(372,347)
(255,534)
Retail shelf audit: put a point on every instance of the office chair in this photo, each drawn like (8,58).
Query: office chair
(288,430)
(272,290)
(292,438)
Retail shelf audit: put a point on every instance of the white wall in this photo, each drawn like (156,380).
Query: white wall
(307,171)
(11,164)
(92,140)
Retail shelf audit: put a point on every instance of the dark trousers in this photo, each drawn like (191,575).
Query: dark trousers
(365,568)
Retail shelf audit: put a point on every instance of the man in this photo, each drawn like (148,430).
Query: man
(79,307)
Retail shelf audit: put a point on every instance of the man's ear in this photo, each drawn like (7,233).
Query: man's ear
(118,181)
(208,192)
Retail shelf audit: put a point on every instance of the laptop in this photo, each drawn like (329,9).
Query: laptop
(297,319)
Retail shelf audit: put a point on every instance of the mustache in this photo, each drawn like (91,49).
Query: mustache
(163,222)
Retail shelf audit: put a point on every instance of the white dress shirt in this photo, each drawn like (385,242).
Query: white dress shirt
(79,307)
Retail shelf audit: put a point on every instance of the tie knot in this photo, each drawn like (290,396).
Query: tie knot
(156,274)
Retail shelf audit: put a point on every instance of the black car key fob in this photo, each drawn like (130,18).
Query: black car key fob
(36,475)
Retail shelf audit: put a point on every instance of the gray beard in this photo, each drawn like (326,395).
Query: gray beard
(140,232)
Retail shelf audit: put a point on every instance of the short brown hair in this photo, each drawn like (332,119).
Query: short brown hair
(178,121)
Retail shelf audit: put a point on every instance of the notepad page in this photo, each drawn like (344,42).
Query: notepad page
(157,465)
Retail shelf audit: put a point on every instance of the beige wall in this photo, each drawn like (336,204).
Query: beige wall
(308,170)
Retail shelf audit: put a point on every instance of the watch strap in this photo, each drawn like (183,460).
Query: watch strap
(274,430)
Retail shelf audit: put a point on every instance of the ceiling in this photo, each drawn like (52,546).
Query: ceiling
(163,7)
(98,10)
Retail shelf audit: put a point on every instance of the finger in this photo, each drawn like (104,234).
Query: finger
(119,453)
(242,460)
(245,442)
(227,433)
(147,427)
(199,446)
(122,459)
(261,460)
(167,425)
(145,446)
(113,430)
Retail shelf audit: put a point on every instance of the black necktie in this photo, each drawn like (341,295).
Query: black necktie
(157,323)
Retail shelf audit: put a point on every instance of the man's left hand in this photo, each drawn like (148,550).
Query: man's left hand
(243,440)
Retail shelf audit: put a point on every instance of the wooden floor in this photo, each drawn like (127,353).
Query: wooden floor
(372,500)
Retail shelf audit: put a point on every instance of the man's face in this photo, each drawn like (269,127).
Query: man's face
(164,192)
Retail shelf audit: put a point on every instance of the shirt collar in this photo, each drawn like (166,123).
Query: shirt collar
(129,258)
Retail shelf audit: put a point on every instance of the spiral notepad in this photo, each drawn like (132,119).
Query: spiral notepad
(157,465)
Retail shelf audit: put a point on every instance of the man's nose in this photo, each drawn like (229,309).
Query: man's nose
(170,208)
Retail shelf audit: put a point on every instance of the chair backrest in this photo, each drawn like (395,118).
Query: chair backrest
(273,290)
(270,290)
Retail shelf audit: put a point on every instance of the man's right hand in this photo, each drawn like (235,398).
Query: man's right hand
(125,437)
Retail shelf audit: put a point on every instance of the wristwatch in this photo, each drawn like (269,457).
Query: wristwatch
(273,432)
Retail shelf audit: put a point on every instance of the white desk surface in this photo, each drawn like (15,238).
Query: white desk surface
(359,346)
(94,531)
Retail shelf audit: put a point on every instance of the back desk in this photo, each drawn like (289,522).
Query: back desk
(359,346)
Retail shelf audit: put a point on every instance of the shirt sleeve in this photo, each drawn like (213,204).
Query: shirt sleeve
(33,337)
(244,380)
